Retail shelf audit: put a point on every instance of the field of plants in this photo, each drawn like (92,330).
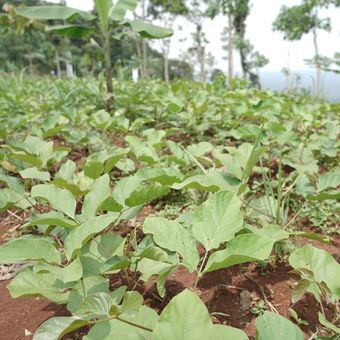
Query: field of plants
(188,212)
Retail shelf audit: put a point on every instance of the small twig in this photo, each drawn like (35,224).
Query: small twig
(295,216)
(15,215)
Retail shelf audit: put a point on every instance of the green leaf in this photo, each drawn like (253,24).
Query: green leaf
(73,31)
(103,8)
(147,30)
(13,183)
(97,305)
(52,218)
(271,326)
(28,248)
(132,303)
(164,176)
(187,318)
(218,220)
(174,237)
(329,180)
(57,327)
(84,289)
(241,249)
(300,289)
(60,199)
(9,199)
(116,329)
(34,173)
(96,253)
(71,273)
(328,324)
(146,194)
(124,188)
(100,190)
(213,181)
(26,283)
(52,13)
(77,238)
(121,7)
(321,263)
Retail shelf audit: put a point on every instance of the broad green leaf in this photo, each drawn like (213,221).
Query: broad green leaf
(174,237)
(28,248)
(323,266)
(241,249)
(71,273)
(34,173)
(165,176)
(103,8)
(147,30)
(97,305)
(67,171)
(84,289)
(124,188)
(99,192)
(132,302)
(328,324)
(121,7)
(77,238)
(271,326)
(26,283)
(272,232)
(13,183)
(52,13)
(10,198)
(300,289)
(93,169)
(96,253)
(213,181)
(146,194)
(52,218)
(60,199)
(187,318)
(218,220)
(329,180)
(56,327)
(73,31)
(116,329)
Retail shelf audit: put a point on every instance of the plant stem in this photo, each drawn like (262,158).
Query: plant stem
(200,269)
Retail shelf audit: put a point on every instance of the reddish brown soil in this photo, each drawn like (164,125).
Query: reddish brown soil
(18,315)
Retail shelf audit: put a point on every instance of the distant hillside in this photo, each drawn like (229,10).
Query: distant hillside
(276,81)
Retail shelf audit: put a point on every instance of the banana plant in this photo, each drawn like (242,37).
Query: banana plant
(109,21)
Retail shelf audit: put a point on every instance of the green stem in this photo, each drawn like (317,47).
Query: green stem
(200,269)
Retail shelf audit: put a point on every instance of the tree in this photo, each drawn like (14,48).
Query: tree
(167,12)
(237,12)
(110,21)
(196,15)
(298,20)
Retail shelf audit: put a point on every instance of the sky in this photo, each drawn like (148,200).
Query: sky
(259,32)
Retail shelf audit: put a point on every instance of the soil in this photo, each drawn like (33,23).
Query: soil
(229,294)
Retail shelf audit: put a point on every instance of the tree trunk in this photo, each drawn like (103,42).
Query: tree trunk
(230,50)
(69,65)
(317,65)
(57,61)
(144,62)
(166,68)
(108,68)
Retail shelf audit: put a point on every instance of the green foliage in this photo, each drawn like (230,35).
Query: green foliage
(181,175)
